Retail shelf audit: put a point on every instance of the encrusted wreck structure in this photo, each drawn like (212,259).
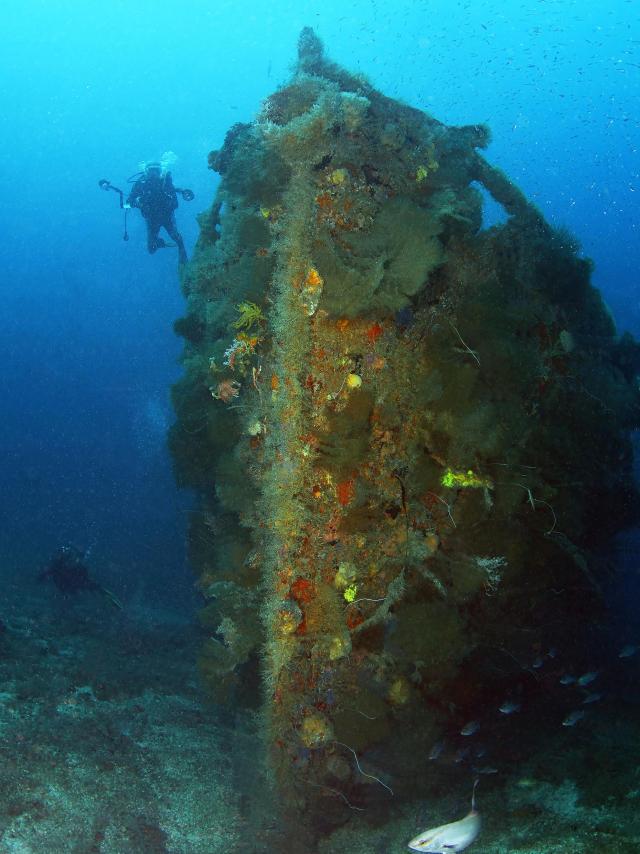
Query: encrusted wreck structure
(408,434)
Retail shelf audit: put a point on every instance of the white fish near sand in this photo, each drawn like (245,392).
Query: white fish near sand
(449,838)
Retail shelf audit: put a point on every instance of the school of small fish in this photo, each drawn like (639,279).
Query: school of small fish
(458,835)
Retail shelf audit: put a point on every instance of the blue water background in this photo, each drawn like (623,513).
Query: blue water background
(89,90)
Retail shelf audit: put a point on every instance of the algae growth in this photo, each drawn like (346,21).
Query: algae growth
(409,438)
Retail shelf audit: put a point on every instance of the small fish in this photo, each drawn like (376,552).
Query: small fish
(552,652)
(573,718)
(629,650)
(537,663)
(449,838)
(567,679)
(470,728)
(461,755)
(436,750)
(487,769)
(587,678)
(591,698)
(509,707)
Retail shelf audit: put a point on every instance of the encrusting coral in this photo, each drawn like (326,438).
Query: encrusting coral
(428,431)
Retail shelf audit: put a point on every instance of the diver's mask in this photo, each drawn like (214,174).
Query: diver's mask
(152,170)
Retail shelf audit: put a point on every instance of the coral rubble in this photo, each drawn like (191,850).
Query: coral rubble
(409,435)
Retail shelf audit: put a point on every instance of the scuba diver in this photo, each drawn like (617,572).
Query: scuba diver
(67,571)
(155,196)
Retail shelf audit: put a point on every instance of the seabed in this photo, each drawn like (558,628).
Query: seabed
(109,746)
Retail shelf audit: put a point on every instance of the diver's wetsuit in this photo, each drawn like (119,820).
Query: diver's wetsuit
(155,196)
